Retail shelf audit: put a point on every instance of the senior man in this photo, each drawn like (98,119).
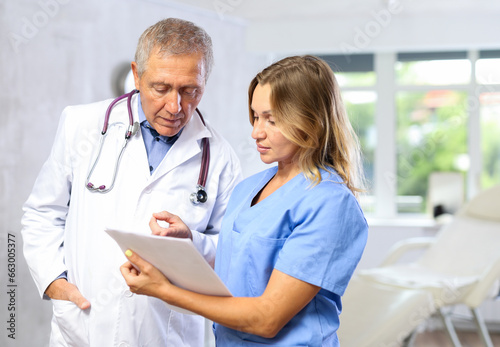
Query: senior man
(72,259)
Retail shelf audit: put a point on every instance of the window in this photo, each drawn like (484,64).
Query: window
(487,67)
(431,137)
(433,69)
(431,114)
(488,79)
(444,110)
(356,77)
(490,139)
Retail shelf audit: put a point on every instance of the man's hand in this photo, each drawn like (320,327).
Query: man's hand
(176,227)
(61,289)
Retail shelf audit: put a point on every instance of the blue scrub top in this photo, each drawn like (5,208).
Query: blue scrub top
(314,233)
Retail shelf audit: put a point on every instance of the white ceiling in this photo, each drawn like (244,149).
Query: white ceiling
(333,25)
(269,10)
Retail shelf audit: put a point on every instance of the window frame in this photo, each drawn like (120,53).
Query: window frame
(386,88)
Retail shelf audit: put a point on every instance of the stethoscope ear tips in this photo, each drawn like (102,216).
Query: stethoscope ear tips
(101,188)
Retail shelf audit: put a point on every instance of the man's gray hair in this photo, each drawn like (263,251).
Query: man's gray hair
(173,36)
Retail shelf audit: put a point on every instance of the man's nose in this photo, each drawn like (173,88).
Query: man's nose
(173,102)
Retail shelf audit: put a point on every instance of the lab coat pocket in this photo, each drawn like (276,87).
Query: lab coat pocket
(72,322)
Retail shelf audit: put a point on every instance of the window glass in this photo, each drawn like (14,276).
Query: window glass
(360,106)
(431,136)
(433,72)
(488,71)
(490,138)
(353,70)
(355,79)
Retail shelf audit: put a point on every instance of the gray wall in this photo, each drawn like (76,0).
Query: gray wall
(60,52)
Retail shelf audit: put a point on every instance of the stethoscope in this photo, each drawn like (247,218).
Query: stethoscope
(200,196)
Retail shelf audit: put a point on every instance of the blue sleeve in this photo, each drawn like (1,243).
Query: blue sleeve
(329,233)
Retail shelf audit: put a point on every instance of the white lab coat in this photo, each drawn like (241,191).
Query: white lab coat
(63,224)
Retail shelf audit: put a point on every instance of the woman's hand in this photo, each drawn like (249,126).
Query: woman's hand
(176,227)
(142,277)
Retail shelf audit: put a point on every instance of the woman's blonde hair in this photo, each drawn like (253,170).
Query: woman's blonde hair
(308,109)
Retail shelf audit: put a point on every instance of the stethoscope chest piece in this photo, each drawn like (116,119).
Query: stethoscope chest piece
(199,196)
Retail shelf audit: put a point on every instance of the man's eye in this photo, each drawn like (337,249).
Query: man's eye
(189,91)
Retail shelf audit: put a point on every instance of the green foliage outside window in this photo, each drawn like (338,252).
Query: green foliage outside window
(431,136)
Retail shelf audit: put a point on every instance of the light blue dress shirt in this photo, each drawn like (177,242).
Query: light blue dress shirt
(157,146)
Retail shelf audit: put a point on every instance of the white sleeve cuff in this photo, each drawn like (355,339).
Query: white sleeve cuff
(206,245)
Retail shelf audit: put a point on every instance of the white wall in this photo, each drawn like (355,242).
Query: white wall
(60,52)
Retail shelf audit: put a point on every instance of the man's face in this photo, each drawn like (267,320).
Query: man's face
(171,88)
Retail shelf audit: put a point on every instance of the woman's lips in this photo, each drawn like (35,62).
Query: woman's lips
(262,149)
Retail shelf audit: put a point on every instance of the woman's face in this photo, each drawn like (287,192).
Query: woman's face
(271,144)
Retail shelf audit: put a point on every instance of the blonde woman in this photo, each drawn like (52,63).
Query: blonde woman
(292,235)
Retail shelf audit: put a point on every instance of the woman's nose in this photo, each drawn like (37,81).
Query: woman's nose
(258,130)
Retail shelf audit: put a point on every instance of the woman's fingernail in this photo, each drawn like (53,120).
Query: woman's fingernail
(128,252)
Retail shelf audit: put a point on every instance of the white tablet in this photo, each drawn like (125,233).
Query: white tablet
(176,258)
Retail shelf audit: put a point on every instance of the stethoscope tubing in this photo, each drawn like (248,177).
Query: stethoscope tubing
(205,157)
(102,188)
(129,108)
(199,196)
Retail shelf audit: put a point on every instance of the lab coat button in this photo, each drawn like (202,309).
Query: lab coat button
(123,344)
(147,190)
(128,293)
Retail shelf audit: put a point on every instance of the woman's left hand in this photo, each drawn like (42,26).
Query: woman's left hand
(142,277)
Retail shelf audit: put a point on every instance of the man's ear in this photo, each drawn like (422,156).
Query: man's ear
(136,74)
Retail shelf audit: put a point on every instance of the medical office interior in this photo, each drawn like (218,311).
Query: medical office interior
(421,82)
